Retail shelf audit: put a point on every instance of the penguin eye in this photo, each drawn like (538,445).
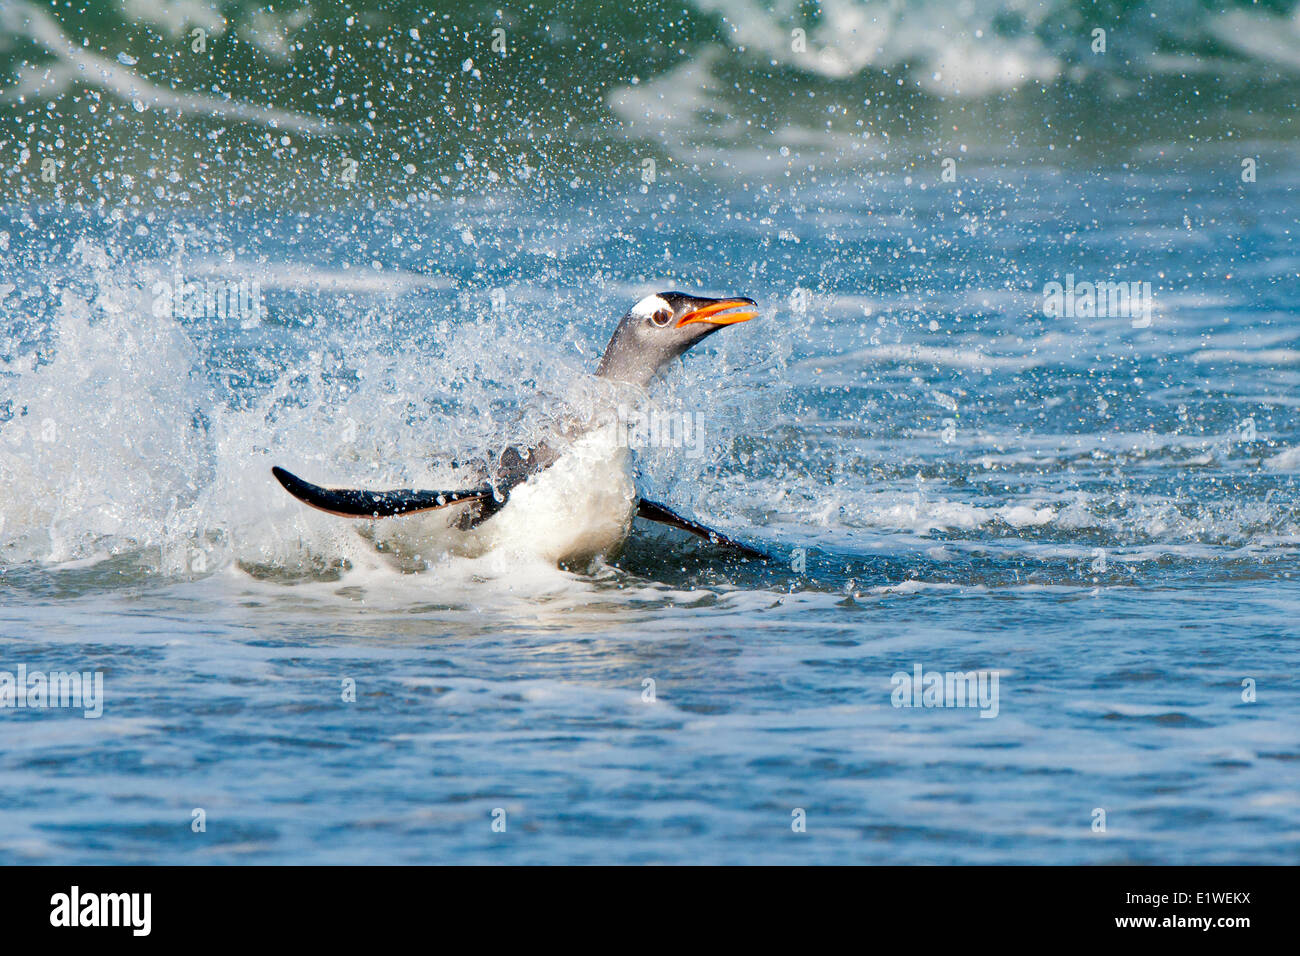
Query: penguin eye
(661,317)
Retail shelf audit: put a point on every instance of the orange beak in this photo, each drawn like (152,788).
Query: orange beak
(716,313)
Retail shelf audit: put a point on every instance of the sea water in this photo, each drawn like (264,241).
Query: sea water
(364,260)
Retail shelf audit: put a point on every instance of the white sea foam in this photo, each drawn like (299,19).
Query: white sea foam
(120,442)
(943,356)
(76,64)
(965,59)
(1261,36)
(1251,357)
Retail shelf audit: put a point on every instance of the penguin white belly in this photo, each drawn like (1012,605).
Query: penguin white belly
(578,509)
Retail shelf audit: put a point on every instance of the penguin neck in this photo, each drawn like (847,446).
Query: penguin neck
(626,365)
(629,361)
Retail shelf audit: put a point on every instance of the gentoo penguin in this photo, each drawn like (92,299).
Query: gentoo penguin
(569,498)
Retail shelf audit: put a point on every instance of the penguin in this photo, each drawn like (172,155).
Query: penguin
(570,498)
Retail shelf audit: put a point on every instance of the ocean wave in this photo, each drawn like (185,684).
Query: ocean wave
(426,102)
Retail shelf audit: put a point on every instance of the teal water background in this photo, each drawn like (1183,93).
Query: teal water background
(1102,510)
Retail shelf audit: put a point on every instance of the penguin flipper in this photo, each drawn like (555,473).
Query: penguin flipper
(356,503)
(657,512)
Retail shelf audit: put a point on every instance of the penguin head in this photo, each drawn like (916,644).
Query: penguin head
(661,327)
